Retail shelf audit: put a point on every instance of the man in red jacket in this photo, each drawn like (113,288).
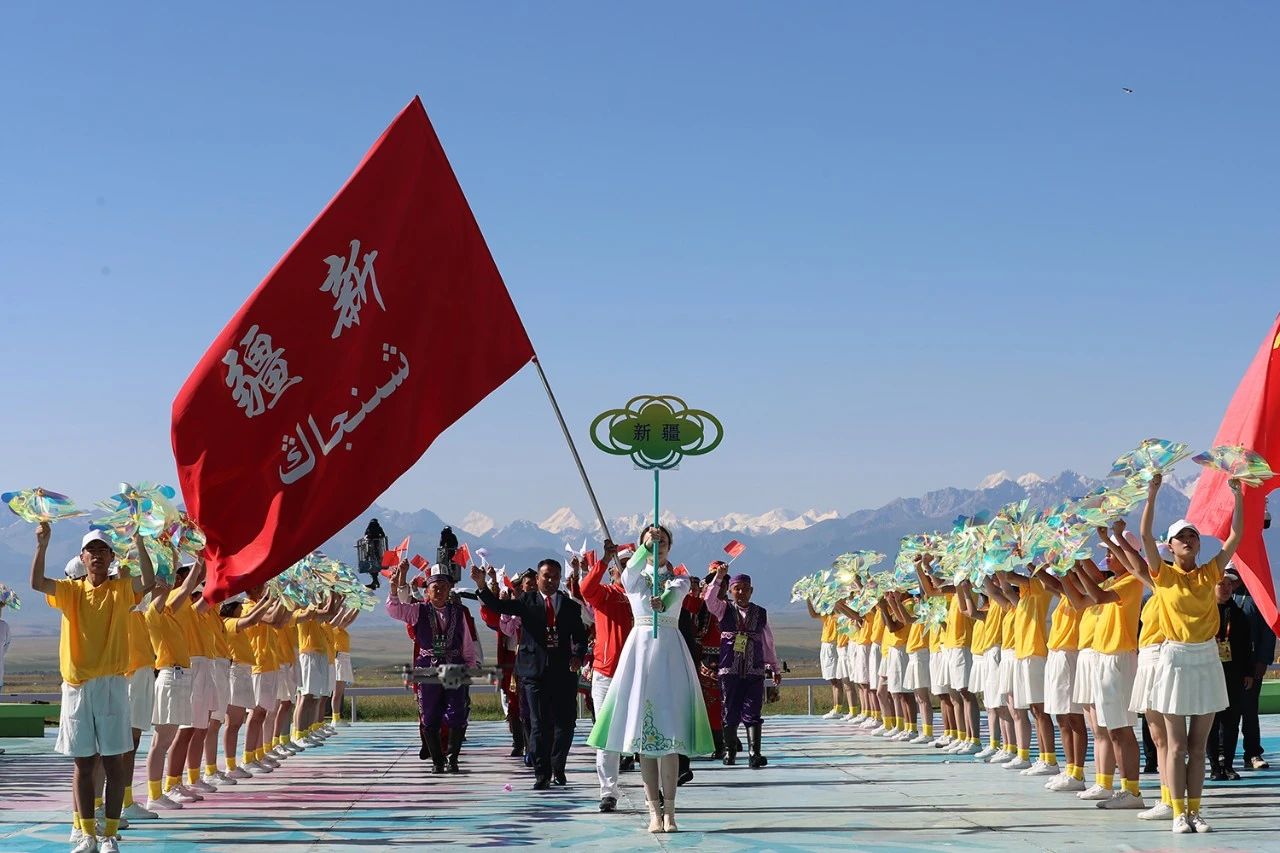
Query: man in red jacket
(613,624)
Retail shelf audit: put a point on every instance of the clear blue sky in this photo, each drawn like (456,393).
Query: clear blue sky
(893,248)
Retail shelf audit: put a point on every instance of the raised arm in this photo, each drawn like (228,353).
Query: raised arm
(891,622)
(146,570)
(1120,547)
(1147,528)
(927,584)
(1092,590)
(39,582)
(1237,524)
(711,595)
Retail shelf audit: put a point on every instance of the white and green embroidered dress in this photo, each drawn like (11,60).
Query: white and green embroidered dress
(654,705)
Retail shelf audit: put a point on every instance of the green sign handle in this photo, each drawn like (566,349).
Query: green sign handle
(653,542)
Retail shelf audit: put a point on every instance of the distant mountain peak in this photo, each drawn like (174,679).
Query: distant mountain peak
(993,480)
(1030,479)
(560,521)
(477,523)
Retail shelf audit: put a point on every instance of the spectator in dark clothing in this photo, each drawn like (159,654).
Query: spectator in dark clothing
(1264,654)
(1235,648)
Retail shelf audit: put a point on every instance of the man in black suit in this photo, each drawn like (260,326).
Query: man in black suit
(553,642)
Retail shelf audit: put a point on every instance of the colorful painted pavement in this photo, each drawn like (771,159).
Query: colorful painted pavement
(824,789)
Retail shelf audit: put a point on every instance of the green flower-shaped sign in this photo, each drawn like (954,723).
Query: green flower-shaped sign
(656,432)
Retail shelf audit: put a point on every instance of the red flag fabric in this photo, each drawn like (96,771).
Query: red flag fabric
(734,549)
(322,390)
(392,557)
(419,562)
(462,556)
(1253,420)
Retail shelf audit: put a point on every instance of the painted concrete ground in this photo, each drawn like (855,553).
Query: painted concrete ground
(824,789)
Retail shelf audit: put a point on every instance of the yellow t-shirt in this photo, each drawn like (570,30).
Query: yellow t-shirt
(312,638)
(1151,633)
(958,631)
(141,655)
(342,640)
(1029,636)
(282,642)
(167,637)
(262,640)
(331,650)
(199,643)
(1089,624)
(1006,628)
(828,629)
(1064,632)
(986,631)
(95,627)
(935,639)
(216,635)
(917,636)
(241,645)
(897,639)
(864,633)
(1117,628)
(1188,604)
(877,628)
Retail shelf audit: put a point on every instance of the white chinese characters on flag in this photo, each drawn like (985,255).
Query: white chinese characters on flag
(327,384)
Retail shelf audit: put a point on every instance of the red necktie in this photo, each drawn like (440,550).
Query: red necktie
(551,613)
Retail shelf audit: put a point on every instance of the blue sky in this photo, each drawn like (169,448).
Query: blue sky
(893,249)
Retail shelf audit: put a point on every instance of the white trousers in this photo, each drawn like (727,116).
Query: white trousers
(606,762)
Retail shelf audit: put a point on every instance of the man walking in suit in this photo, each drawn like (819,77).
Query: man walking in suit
(553,642)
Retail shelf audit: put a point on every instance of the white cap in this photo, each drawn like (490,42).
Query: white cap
(96,536)
(75,569)
(1179,526)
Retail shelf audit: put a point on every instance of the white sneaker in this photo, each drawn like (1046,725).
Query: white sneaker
(270,760)
(300,745)
(328,729)
(1066,784)
(870,723)
(212,780)
(191,792)
(1042,768)
(986,753)
(956,746)
(1181,825)
(859,720)
(313,740)
(87,844)
(1122,799)
(832,714)
(1096,792)
(968,749)
(77,835)
(257,768)
(111,844)
(1048,786)
(1160,811)
(1017,763)
(136,812)
(921,738)
(202,786)
(225,778)
(239,773)
(165,803)
(848,718)
(879,730)
(293,747)
(945,740)
(1198,823)
(280,753)
(1002,756)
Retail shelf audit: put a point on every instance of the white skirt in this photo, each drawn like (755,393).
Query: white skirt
(1086,661)
(859,656)
(1028,681)
(1189,680)
(993,695)
(981,666)
(896,669)
(959,662)
(844,662)
(827,661)
(142,697)
(1144,681)
(874,661)
(919,670)
(1113,688)
(937,673)
(1059,683)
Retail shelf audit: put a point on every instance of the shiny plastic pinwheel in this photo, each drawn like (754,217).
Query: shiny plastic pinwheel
(185,535)
(1153,456)
(931,612)
(36,505)
(146,508)
(1237,462)
(9,598)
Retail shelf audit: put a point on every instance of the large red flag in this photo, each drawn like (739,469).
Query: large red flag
(1253,420)
(324,387)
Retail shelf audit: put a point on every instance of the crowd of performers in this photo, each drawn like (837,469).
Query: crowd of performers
(592,635)
(1101,659)
(138,655)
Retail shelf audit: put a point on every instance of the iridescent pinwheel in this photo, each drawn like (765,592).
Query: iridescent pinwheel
(36,505)
(185,535)
(146,508)
(931,612)
(1105,505)
(1155,455)
(9,598)
(1237,462)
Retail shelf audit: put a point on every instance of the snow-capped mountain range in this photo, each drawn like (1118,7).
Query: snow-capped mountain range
(781,544)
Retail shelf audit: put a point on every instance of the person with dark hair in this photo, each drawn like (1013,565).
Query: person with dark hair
(1264,654)
(553,642)
(1235,650)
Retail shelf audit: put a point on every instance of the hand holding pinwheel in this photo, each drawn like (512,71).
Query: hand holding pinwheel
(1237,462)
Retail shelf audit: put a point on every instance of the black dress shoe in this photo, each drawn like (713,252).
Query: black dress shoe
(542,784)
(516,752)
(424,753)
(559,779)
(686,776)
(608,804)
(1218,776)
(1232,776)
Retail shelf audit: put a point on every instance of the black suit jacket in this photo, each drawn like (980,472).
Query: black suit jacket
(534,659)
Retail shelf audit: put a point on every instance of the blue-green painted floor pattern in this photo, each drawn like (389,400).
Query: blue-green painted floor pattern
(825,789)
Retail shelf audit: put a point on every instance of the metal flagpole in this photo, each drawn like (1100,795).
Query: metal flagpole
(555,407)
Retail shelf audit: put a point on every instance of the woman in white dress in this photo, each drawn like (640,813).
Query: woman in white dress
(654,705)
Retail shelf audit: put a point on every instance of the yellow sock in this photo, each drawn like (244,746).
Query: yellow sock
(155,790)
(210,769)
(911,727)
(1131,786)
(1178,807)
(1193,804)
(75,820)
(928,730)
(335,719)
(1105,780)
(993,742)
(247,757)
(112,827)
(1050,758)
(1024,754)
(231,763)
(193,776)
(128,797)
(171,782)
(1078,774)
(1164,794)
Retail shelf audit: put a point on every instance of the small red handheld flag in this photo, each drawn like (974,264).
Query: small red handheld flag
(392,557)
(734,549)
(419,562)
(462,556)
(322,389)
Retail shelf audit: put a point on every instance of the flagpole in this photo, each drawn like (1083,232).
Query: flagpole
(555,407)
